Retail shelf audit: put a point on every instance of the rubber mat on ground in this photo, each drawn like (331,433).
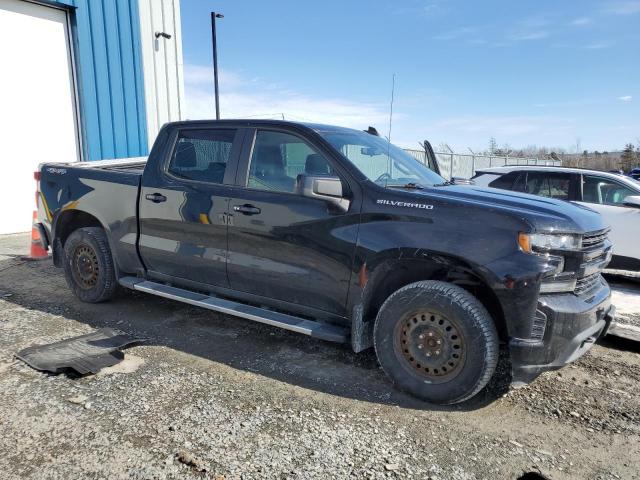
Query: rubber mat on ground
(84,354)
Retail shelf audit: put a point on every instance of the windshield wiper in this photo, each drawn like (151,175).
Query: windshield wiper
(443,184)
(408,186)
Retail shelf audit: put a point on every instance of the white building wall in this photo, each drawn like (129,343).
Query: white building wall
(38,118)
(162,63)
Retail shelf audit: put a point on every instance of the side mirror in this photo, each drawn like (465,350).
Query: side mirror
(328,189)
(632,201)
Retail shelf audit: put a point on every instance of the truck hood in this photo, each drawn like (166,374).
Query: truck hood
(543,214)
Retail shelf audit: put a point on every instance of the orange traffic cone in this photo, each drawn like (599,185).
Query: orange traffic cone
(37,251)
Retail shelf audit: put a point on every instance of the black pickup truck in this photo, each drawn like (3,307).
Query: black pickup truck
(337,234)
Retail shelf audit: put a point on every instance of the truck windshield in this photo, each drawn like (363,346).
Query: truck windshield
(382,162)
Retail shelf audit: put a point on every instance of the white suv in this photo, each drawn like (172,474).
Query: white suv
(614,196)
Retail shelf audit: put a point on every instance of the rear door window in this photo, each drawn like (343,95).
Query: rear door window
(202,155)
(505,181)
(520,185)
(552,185)
(484,179)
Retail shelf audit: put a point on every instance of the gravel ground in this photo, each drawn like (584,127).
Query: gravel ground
(210,396)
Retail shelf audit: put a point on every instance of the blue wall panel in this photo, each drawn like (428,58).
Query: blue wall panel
(108,62)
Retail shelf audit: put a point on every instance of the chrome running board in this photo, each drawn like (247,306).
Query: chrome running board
(324,331)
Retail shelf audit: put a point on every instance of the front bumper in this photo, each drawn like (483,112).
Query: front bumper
(571,323)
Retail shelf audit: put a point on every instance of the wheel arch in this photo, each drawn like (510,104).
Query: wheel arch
(70,220)
(67,222)
(391,274)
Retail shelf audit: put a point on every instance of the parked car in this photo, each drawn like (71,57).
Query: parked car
(337,234)
(635,173)
(615,197)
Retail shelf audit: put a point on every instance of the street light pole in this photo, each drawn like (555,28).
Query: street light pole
(215,15)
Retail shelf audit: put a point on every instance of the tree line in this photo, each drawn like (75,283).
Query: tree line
(626,159)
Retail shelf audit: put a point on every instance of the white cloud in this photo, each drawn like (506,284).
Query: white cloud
(428,8)
(456,33)
(539,35)
(580,22)
(201,76)
(415,117)
(625,98)
(567,103)
(598,45)
(256,98)
(474,130)
(530,28)
(628,7)
(504,126)
(431,8)
(527,29)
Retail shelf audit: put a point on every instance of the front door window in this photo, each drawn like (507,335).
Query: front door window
(278,158)
(604,191)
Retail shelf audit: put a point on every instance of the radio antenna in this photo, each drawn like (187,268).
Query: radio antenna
(393,89)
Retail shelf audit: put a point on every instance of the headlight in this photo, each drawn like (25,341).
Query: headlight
(543,242)
(550,246)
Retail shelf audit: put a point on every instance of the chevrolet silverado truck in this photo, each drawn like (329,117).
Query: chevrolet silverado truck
(337,234)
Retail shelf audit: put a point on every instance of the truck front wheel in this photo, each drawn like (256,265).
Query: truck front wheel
(88,265)
(436,341)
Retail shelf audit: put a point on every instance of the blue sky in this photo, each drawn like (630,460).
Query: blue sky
(525,72)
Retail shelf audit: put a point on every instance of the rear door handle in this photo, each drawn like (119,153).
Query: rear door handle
(155,197)
(246,209)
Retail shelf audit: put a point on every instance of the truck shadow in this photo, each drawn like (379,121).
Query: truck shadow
(241,344)
(619,343)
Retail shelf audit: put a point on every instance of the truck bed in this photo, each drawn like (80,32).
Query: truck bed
(106,190)
(134,165)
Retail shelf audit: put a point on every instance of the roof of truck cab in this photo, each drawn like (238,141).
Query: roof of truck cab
(273,122)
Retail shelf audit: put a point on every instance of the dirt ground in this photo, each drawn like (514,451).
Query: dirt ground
(211,396)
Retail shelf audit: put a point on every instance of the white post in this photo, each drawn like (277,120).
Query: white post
(451,168)
(473,161)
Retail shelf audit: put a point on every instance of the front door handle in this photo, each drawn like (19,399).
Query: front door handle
(246,209)
(155,197)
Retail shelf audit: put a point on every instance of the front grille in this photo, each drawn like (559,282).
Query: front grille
(586,284)
(596,253)
(594,239)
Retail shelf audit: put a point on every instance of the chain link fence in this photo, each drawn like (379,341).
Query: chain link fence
(465,165)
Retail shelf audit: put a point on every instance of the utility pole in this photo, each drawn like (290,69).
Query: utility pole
(215,15)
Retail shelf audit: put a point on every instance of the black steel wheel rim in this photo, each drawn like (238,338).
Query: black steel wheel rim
(430,345)
(85,266)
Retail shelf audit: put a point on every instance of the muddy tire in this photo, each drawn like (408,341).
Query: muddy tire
(436,341)
(88,265)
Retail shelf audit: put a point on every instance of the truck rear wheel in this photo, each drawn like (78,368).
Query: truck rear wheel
(88,265)
(436,341)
